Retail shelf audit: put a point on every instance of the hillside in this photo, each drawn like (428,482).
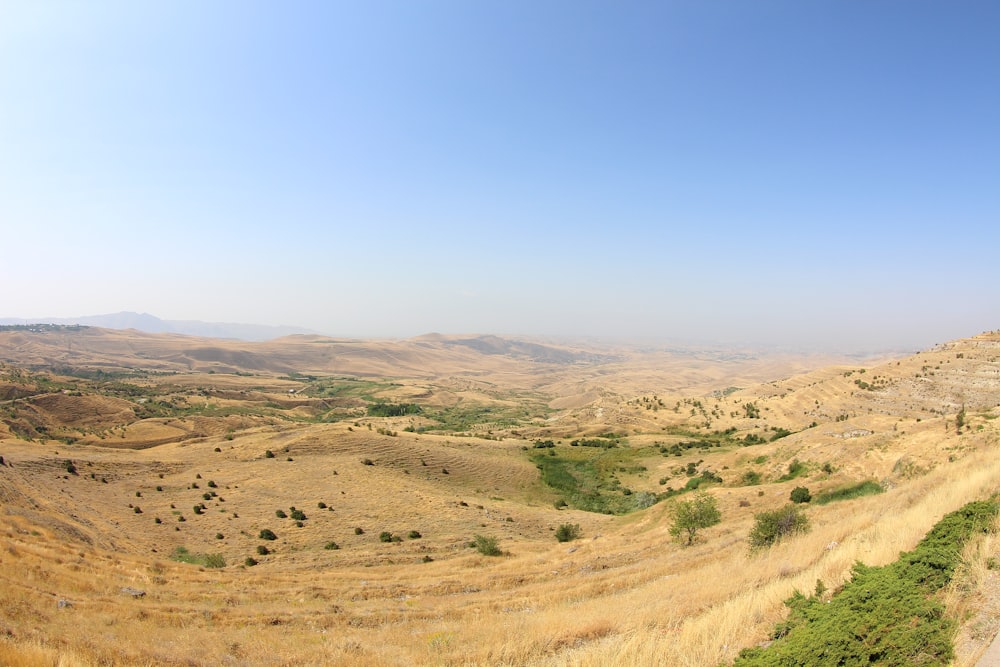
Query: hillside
(126,454)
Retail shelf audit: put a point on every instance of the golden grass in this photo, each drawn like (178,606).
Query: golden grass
(625,594)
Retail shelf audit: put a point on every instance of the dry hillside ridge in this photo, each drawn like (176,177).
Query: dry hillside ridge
(126,453)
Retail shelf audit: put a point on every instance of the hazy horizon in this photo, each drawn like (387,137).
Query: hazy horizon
(821,176)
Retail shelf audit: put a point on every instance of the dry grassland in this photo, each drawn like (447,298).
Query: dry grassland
(623,594)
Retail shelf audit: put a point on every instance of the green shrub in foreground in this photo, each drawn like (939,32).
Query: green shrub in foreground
(883,615)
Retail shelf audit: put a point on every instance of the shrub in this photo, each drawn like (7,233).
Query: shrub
(267,455)
(262,550)
(690,516)
(414,535)
(321,505)
(568,532)
(214,560)
(385,536)
(280,514)
(884,615)
(770,527)
(212,484)
(298,515)
(268,534)
(559,504)
(800,494)
(367,462)
(331,546)
(486,545)
(250,561)
(220,536)
(359,531)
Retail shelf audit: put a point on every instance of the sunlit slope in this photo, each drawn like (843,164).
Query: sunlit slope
(624,593)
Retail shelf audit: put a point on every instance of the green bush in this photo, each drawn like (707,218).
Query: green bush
(250,561)
(800,494)
(262,550)
(568,532)
(486,545)
(771,527)
(280,514)
(414,535)
(268,534)
(385,536)
(214,560)
(884,615)
(298,515)
(331,546)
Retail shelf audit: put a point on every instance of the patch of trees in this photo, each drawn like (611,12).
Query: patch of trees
(393,409)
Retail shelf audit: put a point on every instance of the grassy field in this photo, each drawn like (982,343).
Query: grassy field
(375,518)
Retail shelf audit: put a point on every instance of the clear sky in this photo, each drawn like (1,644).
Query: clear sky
(809,173)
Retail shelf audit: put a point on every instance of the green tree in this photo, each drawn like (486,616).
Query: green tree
(690,516)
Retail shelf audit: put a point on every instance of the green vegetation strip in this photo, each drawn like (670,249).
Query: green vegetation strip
(866,488)
(884,615)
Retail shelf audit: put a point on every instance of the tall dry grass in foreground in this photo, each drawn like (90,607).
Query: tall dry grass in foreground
(626,596)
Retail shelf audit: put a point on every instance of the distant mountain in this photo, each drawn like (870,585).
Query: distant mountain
(152,324)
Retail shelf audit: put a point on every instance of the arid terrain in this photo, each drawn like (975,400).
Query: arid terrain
(142,473)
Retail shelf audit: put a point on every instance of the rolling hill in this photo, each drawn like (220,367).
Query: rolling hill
(140,472)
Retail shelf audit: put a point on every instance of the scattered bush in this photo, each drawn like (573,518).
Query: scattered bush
(262,550)
(331,546)
(268,534)
(280,514)
(267,455)
(298,515)
(414,535)
(359,531)
(770,527)
(214,560)
(321,505)
(385,536)
(800,494)
(367,462)
(486,545)
(250,561)
(568,532)
(220,536)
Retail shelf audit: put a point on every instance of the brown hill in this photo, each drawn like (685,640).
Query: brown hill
(89,524)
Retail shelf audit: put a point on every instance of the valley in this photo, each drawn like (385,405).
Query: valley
(163,464)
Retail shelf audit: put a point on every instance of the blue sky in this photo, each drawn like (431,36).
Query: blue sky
(819,174)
